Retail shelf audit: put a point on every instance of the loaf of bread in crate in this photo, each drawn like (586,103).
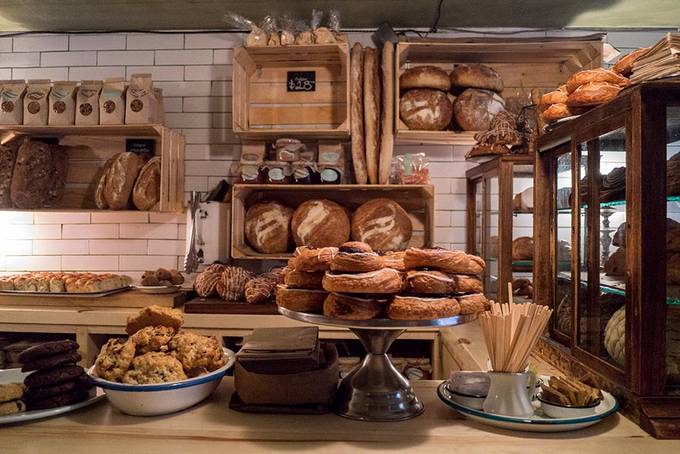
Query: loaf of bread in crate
(120,180)
(39,175)
(8,156)
(476,76)
(382,224)
(425,109)
(267,227)
(320,223)
(424,77)
(147,189)
(475,108)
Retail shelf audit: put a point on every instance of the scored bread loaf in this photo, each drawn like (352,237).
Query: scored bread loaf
(147,190)
(424,77)
(357,114)
(121,178)
(382,224)
(320,223)
(372,112)
(39,175)
(592,94)
(267,227)
(99,199)
(8,156)
(595,75)
(476,76)
(387,114)
(425,109)
(475,108)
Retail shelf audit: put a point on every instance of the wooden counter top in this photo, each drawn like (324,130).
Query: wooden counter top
(211,427)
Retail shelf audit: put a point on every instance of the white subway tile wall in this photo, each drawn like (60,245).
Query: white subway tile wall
(194,70)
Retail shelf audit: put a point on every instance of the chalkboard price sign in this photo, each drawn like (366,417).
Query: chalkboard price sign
(301,81)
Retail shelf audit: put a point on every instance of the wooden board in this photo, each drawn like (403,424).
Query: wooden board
(417,200)
(218,306)
(263,106)
(129,299)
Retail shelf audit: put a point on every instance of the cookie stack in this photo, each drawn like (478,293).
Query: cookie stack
(57,380)
(11,395)
(302,290)
(359,283)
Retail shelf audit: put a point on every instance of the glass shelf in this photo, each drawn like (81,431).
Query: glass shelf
(615,203)
(613,286)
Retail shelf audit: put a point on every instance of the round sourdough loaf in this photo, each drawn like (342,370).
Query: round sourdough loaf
(425,109)
(474,109)
(382,224)
(476,76)
(320,223)
(424,77)
(267,227)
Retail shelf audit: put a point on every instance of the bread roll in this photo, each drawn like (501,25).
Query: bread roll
(382,224)
(357,115)
(267,227)
(372,113)
(120,180)
(474,109)
(476,76)
(523,248)
(624,66)
(595,75)
(425,109)
(424,77)
(593,94)
(320,223)
(147,190)
(387,114)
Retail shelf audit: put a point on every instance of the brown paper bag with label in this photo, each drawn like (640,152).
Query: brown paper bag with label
(140,102)
(12,102)
(62,101)
(36,102)
(87,102)
(112,102)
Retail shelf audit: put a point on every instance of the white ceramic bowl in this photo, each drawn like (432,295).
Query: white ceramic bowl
(163,398)
(475,402)
(564,411)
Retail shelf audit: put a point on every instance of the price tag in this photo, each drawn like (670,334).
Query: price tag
(140,146)
(301,81)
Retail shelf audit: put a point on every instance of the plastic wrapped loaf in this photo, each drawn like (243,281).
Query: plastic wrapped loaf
(256,38)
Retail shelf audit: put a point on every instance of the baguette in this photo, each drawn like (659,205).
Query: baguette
(372,112)
(387,114)
(357,115)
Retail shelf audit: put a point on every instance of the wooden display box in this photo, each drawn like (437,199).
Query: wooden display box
(523,63)
(263,106)
(92,146)
(128,299)
(417,200)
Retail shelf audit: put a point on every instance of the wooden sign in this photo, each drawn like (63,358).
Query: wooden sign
(301,81)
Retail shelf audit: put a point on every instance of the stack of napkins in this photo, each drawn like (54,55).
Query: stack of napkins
(661,60)
(282,350)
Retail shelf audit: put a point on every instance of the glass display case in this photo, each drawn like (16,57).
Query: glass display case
(500,206)
(607,242)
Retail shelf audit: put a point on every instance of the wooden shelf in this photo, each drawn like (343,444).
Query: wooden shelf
(417,200)
(150,130)
(404,135)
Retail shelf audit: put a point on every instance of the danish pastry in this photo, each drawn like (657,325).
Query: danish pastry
(304,279)
(355,260)
(471,304)
(438,283)
(313,259)
(444,260)
(353,308)
(394,260)
(418,308)
(300,300)
(381,281)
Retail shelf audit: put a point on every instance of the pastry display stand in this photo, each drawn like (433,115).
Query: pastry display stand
(375,390)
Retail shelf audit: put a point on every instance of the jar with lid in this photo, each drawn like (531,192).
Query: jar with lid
(278,172)
(305,172)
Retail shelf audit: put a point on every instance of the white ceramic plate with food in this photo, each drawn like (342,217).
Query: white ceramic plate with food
(536,423)
(158,289)
(16,376)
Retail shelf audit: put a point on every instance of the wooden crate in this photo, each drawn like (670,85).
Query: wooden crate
(523,63)
(91,146)
(417,200)
(262,106)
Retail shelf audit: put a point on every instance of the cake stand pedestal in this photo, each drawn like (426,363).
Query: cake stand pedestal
(375,390)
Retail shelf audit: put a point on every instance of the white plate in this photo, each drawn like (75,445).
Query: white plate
(538,422)
(16,376)
(158,289)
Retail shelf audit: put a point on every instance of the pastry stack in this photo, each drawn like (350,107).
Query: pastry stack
(56,379)
(302,290)
(228,282)
(439,283)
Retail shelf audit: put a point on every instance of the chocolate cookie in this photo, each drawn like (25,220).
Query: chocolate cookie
(80,383)
(47,349)
(49,377)
(69,398)
(49,362)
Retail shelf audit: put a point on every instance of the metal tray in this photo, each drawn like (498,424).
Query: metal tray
(66,294)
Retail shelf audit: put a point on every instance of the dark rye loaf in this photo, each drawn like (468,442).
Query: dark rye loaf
(39,175)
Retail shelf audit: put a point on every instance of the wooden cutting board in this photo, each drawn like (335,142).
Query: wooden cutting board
(218,306)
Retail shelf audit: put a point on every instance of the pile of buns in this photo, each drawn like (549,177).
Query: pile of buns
(235,284)
(272,227)
(129,180)
(583,91)
(162,276)
(431,98)
(355,283)
(58,282)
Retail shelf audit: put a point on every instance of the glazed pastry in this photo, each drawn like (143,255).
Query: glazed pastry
(347,307)
(300,300)
(260,289)
(418,308)
(444,260)
(234,279)
(304,279)
(471,304)
(312,259)
(381,281)
(383,224)
(394,260)
(438,283)
(356,257)
(206,283)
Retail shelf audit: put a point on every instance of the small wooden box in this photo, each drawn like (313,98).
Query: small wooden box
(263,106)
(417,200)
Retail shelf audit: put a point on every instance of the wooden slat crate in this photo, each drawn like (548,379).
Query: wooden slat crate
(263,106)
(91,146)
(523,63)
(417,200)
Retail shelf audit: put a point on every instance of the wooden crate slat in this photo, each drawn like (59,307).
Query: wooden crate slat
(295,115)
(276,92)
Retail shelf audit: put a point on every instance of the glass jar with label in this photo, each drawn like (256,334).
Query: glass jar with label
(330,174)
(251,173)
(305,172)
(278,172)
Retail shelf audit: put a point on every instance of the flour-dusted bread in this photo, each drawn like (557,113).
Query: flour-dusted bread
(320,223)
(425,109)
(593,94)
(121,179)
(8,156)
(372,112)
(475,108)
(267,227)
(387,114)
(147,190)
(39,175)
(595,75)
(382,224)
(476,76)
(357,114)
(424,77)
(99,199)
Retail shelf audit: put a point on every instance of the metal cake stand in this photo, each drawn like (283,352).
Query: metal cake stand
(375,390)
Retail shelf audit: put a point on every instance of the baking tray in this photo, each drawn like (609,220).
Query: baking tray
(66,294)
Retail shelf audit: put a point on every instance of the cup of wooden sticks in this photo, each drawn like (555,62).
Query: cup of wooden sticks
(511,332)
